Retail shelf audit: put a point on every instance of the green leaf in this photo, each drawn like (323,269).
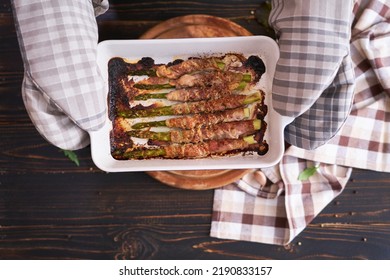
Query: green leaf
(72,156)
(307,173)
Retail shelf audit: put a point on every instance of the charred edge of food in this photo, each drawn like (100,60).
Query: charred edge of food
(120,143)
(175,62)
(119,67)
(146,62)
(261,111)
(257,64)
(116,68)
(263,148)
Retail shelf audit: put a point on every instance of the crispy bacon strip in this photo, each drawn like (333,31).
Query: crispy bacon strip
(189,122)
(197,94)
(209,79)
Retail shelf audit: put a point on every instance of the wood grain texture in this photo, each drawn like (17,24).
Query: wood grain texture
(52,209)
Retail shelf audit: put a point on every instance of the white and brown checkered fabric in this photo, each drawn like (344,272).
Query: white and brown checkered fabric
(242,213)
(62,88)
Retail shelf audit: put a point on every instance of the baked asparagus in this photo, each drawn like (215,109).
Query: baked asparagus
(200,150)
(203,79)
(198,120)
(225,130)
(206,106)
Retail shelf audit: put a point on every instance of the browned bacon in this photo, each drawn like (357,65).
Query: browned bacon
(185,67)
(197,94)
(198,120)
(225,130)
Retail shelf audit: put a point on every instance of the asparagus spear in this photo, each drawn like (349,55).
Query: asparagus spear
(225,130)
(198,120)
(153,86)
(201,150)
(141,125)
(208,106)
(146,96)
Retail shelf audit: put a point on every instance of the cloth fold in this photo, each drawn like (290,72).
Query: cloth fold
(280,215)
(363,141)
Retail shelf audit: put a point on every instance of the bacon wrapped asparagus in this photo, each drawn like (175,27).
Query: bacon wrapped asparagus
(179,67)
(199,150)
(231,80)
(198,120)
(207,106)
(225,130)
(189,66)
(215,108)
(188,94)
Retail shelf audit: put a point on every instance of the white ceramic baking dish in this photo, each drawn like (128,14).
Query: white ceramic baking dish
(165,50)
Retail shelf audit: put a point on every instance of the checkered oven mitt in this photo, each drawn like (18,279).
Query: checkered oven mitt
(62,87)
(314,78)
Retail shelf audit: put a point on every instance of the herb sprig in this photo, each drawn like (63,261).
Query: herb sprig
(307,173)
(72,156)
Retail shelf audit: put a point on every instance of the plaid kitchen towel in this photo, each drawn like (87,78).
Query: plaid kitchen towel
(314,79)
(278,212)
(62,87)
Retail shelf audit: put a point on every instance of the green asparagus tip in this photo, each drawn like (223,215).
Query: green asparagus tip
(246,112)
(252,98)
(247,78)
(256,124)
(250,139)
(221,65)
(241,86)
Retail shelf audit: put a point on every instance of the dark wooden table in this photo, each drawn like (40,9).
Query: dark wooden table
(52,209)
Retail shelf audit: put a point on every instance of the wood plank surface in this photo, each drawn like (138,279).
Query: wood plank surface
(52,209)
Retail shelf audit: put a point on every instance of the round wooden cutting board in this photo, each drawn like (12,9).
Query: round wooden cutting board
(196,26)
